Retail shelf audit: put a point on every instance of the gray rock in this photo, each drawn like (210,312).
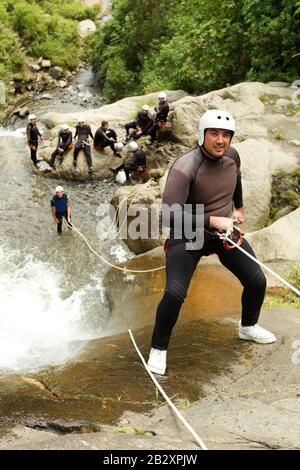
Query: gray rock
(86,27)
(295,142)
(295,84)
(35,67)
(46,96)
(48,123)
(278,84)
(282,103)
(40,60)
(63,83)
(46,64)
(2,93)
(56,72)
(43,166)
(22,112)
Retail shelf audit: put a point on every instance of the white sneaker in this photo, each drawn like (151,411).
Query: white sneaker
(157,362)
(256,333)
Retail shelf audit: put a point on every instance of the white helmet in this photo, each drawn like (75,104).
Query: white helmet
(81,119)
(65,127)
(31,117)
(162,95)
(146,107)
(118,146)
(59,189)
(215,119)
(133,146)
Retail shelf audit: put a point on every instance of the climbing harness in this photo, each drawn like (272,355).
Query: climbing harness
(168,400)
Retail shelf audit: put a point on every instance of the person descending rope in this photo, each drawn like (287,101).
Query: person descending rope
(137,163)
(63,145)
(33,135)
(208,174)
(83,132)
(160,119)
(107,137)
(60,207)
(142,123)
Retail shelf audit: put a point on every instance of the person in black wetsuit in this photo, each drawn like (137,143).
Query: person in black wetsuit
(64,144)
(33,135)
(60,207)
(83,132)
(160,119)
(141,124)
(207,175)
(105,136)
(137,163)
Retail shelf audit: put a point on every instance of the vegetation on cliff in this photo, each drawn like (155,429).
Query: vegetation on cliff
(37,28)
(196,45)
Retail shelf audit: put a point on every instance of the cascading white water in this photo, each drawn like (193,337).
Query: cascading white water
(51,294)
(37,324)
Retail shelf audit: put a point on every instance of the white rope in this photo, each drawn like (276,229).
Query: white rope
(168,400)
(294,289)
(127,270)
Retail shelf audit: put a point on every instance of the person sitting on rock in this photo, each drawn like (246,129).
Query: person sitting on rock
(160,119)
(83,132)
(60,207)
(63,145)
(141,124)
(105,136)
(136,164)
(33,135)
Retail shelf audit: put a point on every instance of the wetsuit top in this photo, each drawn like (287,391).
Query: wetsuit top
(83,133)
(196,177)
(64,139)
(104,136)
(139,158)
(162,111)
(33,133)
(60,204)
(143,120)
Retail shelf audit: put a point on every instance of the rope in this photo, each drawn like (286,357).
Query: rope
(136,271)
(226,238)
(168,400)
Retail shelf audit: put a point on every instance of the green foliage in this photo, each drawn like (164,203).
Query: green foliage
(197,45)
(45,28)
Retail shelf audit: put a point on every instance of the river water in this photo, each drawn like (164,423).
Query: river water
(51,294)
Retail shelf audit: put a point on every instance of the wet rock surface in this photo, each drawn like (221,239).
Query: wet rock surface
(236,395)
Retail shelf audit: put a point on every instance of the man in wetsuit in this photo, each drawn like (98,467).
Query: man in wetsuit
(60,207)
(83,132)
(141,123)
(137,163)
(160,119)
(106,137)
(209,175)
(33,135)
(64,143)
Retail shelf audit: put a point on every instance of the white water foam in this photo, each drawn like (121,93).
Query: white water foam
(18,133)
(37,325)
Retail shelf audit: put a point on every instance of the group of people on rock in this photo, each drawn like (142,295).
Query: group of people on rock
(144,124)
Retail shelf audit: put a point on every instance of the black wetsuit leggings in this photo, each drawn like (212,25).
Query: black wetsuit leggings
(60,221)
(80,145)
(180,266)
(33,151)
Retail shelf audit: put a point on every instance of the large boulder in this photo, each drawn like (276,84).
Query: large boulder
(260,160)
(279,241)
